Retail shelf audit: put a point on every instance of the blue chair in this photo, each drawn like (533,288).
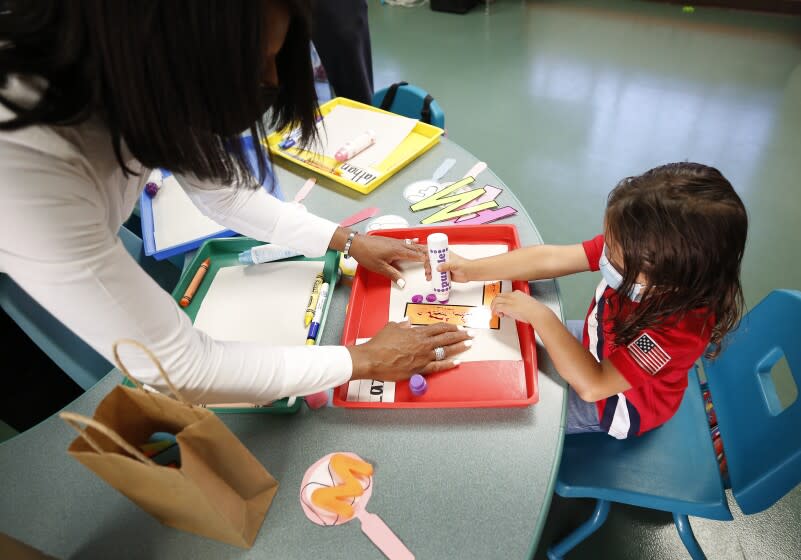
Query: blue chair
(673,468)
(410,101)
(76,358)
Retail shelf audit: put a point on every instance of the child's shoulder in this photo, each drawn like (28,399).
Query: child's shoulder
(693,324)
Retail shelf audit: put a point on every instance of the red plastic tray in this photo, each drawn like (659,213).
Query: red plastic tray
(485,384)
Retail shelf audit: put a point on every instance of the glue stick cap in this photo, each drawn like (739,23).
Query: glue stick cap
(246,257)
(437,241)
(317,400)
(417,384)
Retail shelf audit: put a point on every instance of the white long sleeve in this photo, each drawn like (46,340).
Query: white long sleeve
(255,213)
(62,200)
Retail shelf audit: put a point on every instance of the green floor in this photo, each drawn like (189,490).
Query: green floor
(564,98)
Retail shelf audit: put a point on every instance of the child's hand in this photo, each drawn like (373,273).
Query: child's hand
(517,305)
(456,265)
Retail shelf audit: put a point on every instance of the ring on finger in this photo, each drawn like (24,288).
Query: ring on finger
(439,353)
(407,241)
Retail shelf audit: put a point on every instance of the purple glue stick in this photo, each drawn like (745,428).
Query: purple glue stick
(438,254)
(417,384)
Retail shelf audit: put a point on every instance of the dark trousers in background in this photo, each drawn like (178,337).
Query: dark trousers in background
(342,39)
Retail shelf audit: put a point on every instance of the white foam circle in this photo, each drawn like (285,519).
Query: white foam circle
(388,221)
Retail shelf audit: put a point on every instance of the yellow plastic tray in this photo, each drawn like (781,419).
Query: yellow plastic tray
(422,138)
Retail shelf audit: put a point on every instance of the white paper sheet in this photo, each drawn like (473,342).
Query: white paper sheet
(488,344)
(263,302)
(370,390)
(176,220)
(342,124)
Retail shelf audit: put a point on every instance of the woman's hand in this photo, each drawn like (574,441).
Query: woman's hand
(379,254)
(456,265)
(398,351)
(517,305)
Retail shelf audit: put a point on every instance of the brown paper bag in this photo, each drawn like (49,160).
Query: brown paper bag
(220,490)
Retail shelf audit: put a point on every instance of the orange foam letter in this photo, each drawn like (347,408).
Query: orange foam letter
(335,498)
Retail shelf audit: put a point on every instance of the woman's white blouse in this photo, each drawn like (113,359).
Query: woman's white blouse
(63,198)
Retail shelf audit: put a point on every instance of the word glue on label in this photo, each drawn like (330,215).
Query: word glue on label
(438,254)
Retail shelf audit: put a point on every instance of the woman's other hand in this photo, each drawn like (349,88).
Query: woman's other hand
(399,350)
(379,254)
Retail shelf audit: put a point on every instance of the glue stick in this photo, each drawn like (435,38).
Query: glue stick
(355,146)
(266,253)
(438,254)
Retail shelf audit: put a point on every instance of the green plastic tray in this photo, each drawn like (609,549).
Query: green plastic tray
(225,252)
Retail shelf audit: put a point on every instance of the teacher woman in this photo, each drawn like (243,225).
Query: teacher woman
(95,94)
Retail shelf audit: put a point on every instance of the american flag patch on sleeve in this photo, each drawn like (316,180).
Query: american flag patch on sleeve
(648,354)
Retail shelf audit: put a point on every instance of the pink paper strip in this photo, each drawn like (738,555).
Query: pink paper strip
(359,216)
(491,194)
(304,190)
(490,215)
(383,537)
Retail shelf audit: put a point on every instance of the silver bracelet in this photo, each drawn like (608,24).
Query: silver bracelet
(346,250)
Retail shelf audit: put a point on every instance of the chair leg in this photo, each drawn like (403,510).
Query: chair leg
(558,551)
(687,537)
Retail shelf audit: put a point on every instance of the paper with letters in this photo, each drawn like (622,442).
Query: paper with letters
(488,344)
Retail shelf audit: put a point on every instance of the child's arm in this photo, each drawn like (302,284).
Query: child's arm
(529,263)
(593,381)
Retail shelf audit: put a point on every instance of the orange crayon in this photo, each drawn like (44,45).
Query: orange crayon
(193,285)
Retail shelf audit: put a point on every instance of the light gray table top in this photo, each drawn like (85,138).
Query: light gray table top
(451,483)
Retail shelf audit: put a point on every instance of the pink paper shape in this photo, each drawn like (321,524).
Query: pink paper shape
(491,194)
(489,215)
(304,190)
(320,475)
(383,537)
(359,216)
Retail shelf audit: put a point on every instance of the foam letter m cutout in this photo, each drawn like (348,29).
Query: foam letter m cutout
(453,202)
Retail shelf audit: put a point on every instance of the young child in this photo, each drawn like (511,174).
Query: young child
(670,290)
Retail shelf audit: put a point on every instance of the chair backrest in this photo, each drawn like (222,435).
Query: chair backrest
(762,443)
(410,101)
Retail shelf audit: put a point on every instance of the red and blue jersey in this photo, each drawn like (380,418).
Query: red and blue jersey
(655,362)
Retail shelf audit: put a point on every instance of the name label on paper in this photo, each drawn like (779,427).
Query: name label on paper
(371,390)
(362,176)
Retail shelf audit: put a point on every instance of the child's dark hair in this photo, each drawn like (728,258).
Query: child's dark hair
(684,227)
(177,81)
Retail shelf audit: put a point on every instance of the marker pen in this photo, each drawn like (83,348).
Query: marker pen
(291,138)
(438,254)
(355,146)
(314,328)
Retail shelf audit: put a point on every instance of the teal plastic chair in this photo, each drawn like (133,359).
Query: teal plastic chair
(410,101)
(76,358)
(674,468)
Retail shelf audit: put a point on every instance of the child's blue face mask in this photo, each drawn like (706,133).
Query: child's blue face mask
(614,279)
